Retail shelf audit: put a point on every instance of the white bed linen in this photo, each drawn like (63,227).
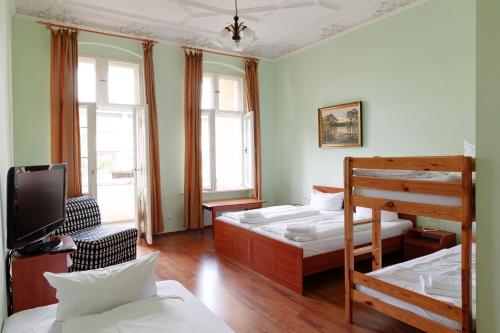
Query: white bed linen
(315,247)
(273,214)
(324,226)
(406,196)
(188,315)
(409,275)
(249,226)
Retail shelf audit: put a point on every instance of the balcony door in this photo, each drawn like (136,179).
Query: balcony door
(112,130)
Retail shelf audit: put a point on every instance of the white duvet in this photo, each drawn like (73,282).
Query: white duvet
(323,226)
(175,309)
(157,314)
(272,214)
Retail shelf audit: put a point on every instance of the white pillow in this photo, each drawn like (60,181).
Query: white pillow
(99,290)
(327,201)
(366,213)
(469,149)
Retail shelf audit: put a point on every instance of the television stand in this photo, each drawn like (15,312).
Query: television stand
(29,288)
(50,244)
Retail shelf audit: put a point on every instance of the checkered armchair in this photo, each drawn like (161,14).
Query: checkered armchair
(97,245)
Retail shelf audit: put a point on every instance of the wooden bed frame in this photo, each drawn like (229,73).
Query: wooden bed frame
(462,214)
(281,262)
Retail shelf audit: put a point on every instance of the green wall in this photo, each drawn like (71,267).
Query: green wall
(414,73)
(488,165)
(31,65)
(5,135)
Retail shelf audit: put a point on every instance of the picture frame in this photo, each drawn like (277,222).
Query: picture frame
(340,125)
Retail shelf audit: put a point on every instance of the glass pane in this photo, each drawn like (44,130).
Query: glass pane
(84,142)
(82,115)
(86,80)
(205,151)
(85,174)
(122,83)
(230,92)
(207,93)
(115,165)
(248,150)
(229,152)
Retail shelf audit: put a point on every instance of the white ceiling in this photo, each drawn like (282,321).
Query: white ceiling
(281,26)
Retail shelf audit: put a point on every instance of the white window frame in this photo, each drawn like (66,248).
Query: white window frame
(102,102)
(211,116)
(102,81)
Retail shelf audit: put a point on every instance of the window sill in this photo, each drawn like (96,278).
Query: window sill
(236,190)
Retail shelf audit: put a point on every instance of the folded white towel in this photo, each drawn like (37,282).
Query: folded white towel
(301,228)
(302,237)
(252,213)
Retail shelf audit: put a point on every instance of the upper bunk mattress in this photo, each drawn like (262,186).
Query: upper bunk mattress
(408,196)
(413,274)
(187,314)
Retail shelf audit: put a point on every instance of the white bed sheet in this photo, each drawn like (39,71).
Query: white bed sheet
(432,199)
(43,319)
(407,275)
(405,196)
(315,247)
(250,226)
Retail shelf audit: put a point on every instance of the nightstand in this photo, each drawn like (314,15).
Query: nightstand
(422,241)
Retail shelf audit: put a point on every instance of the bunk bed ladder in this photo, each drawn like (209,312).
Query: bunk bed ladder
(467,208)
(348,244)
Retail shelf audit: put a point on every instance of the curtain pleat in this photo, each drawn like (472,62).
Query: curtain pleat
(193,76)
(252,90)
(65,124)
(154,150)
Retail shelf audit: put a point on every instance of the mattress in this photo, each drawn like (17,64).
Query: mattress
(408,275)
(43,319)
(406,196)
(315,247)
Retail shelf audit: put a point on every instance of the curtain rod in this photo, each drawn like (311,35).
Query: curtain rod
(50,25)
(227,54)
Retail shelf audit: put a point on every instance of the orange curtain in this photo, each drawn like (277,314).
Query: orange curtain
(65,124)
(252,89)
(154,150)
(193,76)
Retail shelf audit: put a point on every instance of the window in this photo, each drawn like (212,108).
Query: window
(226,134)
(110,93)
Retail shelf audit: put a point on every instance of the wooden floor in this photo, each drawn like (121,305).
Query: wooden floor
(249,302)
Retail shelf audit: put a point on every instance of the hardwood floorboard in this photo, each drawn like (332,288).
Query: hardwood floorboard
(250,302)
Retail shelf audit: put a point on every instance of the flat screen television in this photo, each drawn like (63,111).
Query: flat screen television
(36,203)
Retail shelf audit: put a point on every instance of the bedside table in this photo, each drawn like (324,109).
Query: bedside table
(420,242)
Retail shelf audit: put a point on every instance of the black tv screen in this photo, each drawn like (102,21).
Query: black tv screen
(36,203)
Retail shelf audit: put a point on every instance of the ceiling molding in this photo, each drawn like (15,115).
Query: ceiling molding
(283,27)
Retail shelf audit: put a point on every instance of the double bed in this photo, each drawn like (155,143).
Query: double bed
(286,261)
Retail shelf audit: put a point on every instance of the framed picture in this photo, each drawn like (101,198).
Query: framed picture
(340,125)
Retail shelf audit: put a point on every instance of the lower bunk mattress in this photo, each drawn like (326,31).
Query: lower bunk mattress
(330,244)
(413,274)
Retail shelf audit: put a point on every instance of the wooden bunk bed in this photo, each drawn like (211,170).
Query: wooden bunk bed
(282,262)
(462,191)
